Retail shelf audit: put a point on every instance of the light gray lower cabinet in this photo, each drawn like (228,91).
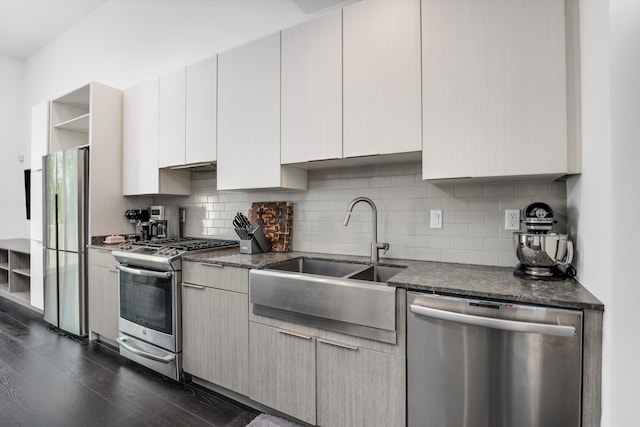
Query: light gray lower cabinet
(104,306)
(215,324)
(358,387)
(325,382)
(282,368)
(215,336)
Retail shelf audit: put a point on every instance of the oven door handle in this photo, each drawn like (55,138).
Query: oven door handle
(163,359)
(150,273)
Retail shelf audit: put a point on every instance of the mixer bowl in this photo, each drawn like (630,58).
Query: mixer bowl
(539,253)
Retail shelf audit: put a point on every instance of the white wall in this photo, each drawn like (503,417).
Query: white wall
(603,202)
(625,131)
(121,44)
(13,140)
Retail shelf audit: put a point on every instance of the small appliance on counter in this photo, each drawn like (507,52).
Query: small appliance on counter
(165,222)
(252,238)
(543,255)
(139,217)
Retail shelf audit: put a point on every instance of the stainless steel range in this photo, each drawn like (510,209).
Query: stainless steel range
(150,273)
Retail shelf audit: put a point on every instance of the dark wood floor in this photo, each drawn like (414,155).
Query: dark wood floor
(51,380)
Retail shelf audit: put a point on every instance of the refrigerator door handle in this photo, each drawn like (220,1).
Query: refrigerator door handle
(490,322)
(148,273)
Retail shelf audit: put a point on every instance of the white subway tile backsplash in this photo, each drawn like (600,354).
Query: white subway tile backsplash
(469,190)
(469,243)
(460,257)
(500,190)
(455,204)
(469,217)
(441,191)
(473,214)
(484,230)
(441,242)
(540,189)
(484,258)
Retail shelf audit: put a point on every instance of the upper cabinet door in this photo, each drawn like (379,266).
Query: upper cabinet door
(201,115)
(382,103)
(494,88)
(249,119)
(172,109)
(312,90)
(140,139)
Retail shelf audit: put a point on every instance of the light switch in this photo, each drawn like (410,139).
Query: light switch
(435,218)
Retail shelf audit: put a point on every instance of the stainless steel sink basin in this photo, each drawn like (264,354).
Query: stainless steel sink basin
(376,273)
(339,296)
(318,267)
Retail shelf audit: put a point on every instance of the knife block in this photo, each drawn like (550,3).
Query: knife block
(256,243)
(249,246)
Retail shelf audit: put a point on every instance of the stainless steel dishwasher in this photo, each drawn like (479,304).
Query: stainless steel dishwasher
(495,364)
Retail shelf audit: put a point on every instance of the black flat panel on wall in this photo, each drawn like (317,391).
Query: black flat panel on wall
(27,191)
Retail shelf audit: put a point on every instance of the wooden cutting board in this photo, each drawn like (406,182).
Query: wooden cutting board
(277,218)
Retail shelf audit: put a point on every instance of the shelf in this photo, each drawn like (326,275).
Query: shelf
(76,124)
(4,287)
(26,295)
(22,271)
(4,266)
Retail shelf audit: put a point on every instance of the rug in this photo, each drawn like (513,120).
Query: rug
(264,420)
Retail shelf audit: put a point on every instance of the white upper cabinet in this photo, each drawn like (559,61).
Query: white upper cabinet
(171,125)
(495,96)
(382,97)
(140,139)
(141,174)
(312,90)
(201,114)
(187,112)
(249,119)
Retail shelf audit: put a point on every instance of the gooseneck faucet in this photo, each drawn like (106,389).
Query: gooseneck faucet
(375,246)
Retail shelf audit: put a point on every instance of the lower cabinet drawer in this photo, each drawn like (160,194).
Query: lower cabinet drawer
(216,276)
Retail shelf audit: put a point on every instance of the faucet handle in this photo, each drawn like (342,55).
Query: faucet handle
(385,247)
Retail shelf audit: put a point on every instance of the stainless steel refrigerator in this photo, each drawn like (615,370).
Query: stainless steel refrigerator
(65,198)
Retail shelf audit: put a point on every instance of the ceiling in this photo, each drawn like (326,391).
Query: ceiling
(28,25)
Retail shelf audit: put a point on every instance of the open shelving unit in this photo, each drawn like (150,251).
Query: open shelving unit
(70,120)
(15,271)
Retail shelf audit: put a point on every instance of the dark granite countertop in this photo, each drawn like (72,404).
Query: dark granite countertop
(479,281)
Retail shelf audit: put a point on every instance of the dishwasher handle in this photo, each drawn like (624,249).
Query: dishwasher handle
(491,322)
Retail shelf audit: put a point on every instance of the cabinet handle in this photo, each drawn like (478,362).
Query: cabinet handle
(338,344)
(189,285)
(294,334)
(105,251)
(113,270)
(206,264)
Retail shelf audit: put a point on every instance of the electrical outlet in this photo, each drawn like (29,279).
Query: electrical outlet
(512,219)
(435,218)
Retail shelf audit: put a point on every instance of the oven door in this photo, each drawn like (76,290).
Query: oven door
(149,306)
